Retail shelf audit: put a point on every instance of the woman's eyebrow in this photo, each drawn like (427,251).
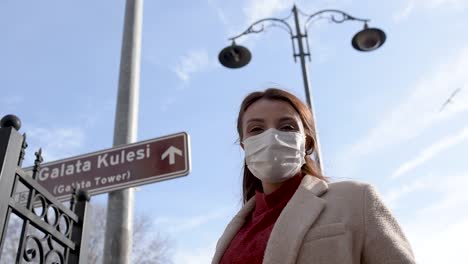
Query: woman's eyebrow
(287,118)
(255,120)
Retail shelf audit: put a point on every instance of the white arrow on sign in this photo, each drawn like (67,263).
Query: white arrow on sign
(171,151)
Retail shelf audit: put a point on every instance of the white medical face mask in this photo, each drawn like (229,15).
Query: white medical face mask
(275,156)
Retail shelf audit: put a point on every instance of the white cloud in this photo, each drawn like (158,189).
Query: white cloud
(451,193)
(431,151)
(393,196)
(405,12)
(176,225)
(255,10)
(417,111)
(437,230)
(195,61)
(203,225)
(56,143)
(221,15)
(180,227)
(444,245)
(258,9)
(201,255)
(436,227)
(413,5)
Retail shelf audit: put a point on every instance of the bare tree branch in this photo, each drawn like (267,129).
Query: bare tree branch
(149,247)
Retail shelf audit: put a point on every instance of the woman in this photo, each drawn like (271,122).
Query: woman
(291,214)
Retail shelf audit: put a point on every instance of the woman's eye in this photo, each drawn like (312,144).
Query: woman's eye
(288,128)
(255,129)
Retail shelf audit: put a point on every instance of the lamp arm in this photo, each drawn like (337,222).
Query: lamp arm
(251,28)
(343,17)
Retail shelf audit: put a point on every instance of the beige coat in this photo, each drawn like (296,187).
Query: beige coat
(336,223)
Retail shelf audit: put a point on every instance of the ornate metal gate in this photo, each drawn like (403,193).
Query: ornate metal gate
(51,233)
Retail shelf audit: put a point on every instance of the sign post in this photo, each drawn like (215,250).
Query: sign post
(118,168)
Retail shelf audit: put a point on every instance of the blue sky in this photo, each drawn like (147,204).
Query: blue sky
(377,113)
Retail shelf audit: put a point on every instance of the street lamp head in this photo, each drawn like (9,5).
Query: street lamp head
(368,39)
(234,56)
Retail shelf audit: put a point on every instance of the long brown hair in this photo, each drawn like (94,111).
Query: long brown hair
(250,182)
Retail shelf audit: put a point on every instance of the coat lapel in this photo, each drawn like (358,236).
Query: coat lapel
(294,222)
(231,230)
(290,228)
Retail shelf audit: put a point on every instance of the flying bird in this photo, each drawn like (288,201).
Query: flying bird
(449,100)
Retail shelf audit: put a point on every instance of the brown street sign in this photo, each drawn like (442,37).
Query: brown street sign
(117,168)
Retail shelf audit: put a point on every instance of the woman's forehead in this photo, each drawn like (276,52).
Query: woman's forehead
(270,109)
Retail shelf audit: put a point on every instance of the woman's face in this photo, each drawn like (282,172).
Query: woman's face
(265,114)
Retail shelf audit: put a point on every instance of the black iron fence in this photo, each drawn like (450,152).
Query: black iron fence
(51,233)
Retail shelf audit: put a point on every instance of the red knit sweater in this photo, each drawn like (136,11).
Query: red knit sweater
(249,244)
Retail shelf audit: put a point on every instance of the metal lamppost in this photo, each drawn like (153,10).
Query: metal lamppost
(368,39)
(119,224)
